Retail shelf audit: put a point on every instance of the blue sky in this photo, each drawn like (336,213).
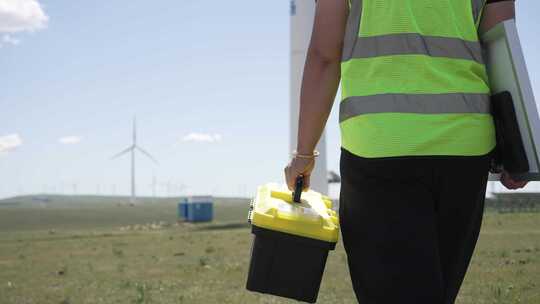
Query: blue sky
(216,70)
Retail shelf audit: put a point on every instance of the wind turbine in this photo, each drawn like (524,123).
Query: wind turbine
(132,149)
(302,17)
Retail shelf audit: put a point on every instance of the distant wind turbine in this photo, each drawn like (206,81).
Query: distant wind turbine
(132,149)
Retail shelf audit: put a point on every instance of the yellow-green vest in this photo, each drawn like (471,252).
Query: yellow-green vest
(413,79)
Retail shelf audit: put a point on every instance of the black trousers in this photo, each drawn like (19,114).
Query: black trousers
(410,224)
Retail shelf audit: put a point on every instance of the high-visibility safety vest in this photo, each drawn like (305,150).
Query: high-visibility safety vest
(413,79)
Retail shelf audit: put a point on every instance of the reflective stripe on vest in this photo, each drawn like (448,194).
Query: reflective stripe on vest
(414,80)
(413,43)
(351,31)
(408,103)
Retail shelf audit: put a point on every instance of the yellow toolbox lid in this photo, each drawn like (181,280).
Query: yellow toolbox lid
(273,208)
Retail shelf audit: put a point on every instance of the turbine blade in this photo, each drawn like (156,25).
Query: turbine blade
(135,130)
(147,154)
(333,177)
(123,152)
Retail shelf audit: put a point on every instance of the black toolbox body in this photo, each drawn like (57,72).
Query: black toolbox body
(287,265)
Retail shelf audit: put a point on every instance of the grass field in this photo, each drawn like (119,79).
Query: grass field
(92,250)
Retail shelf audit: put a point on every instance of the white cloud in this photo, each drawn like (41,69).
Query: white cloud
(7,39)
(9,142)
(202,137)
(70,140)
(21,15)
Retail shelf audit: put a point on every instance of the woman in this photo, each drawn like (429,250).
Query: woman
(416,138)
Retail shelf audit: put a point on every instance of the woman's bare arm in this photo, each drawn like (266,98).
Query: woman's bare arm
(322,72)
(497,12)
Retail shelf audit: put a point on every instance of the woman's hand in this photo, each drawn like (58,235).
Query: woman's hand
(296,167)
(511,184)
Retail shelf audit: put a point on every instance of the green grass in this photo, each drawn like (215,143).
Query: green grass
(89,212)
(79,254)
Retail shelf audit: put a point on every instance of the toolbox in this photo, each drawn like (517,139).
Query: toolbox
(293,233)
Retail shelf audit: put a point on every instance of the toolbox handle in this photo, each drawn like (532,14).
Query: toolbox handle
(298,186)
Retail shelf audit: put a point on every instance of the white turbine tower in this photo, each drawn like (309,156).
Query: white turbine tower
(302,17)
(132,149)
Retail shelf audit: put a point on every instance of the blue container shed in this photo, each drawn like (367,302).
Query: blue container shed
(182,208)
(200,209)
